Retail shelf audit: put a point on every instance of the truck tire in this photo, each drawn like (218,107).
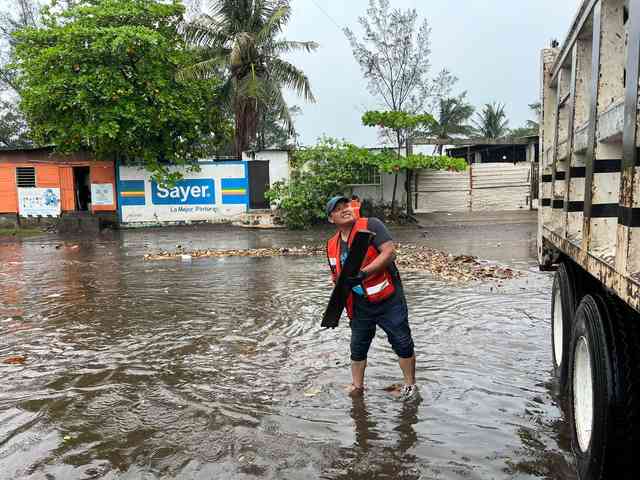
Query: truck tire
(605,384)
(564,298)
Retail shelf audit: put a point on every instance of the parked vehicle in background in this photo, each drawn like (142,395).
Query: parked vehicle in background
(589,231)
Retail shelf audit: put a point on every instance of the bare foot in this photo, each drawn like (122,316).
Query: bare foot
(354,391)
(394,389)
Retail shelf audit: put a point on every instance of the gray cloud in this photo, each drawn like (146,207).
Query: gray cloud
(493,46)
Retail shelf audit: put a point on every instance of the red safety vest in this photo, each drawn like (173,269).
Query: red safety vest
(376,287)
(355,206)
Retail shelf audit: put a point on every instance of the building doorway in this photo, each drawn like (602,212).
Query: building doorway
(258,184)
(82,188)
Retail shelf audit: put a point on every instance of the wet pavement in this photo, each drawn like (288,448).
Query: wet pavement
(217,368)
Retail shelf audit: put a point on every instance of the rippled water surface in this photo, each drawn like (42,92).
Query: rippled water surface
(198,370)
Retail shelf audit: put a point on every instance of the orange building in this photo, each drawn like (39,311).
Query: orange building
(76,176)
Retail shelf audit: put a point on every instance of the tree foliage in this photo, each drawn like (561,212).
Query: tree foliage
(241,40)
(492,121)
(14,15)
(395,120)
(452,119)
(273,132)
(393,55)
(22,14)
(401,123)
(14,132)
(100,76)
(328,168)
(531,127)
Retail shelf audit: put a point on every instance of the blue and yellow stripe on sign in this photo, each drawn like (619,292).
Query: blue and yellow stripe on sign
(131,192)
(235,191)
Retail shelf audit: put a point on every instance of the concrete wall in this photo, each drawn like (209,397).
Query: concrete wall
(483,187)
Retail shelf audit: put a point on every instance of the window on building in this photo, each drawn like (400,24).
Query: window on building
(369,175)
(26,177)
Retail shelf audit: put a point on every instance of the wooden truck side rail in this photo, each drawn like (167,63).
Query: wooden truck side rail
(589,208)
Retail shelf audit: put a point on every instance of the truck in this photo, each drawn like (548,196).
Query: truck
(589,231)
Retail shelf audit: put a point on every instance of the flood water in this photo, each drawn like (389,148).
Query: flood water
(217,368)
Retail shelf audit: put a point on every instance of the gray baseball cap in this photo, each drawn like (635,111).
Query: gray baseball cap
(331,204)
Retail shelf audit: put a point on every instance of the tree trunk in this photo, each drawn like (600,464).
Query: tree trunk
(246,122)
(409,176)
(394,213)
(407,187)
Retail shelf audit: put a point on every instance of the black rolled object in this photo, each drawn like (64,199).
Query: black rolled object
(351,267)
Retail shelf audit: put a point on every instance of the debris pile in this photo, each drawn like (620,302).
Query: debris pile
(453,268)
(303,251)
(410,257)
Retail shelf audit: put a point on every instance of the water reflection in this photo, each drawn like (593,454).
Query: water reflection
(371,457)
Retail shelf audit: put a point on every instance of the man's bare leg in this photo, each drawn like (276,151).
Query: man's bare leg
(357,377)
(408,367)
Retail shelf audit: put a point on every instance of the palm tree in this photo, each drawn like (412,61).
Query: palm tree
(492,121)
(241,39)
(531,127)
(453,115)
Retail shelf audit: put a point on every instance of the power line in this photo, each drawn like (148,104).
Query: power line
(327,15)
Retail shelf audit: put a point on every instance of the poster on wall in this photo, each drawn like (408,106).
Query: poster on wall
(39,202)
(102,194)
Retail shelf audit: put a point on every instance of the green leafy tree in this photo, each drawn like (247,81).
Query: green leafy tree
(401,123)
(452,119)
(492,121)
(241,39)
(101,77)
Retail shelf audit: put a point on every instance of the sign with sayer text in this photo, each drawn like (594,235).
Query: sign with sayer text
(200,191)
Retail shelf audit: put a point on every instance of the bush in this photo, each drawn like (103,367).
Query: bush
(319,172)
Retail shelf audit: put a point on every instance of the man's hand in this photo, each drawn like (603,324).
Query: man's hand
(356,280)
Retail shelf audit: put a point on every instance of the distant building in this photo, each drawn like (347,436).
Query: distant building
(36,183)
(515,150)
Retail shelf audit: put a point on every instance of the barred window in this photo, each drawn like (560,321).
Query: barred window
(369,175)
(26,177)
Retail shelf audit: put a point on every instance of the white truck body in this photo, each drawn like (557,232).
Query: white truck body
(589,231)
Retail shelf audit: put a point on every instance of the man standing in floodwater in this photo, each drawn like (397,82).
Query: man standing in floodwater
(376,297)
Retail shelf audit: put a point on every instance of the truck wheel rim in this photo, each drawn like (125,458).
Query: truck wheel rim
(558,328)
(583,394)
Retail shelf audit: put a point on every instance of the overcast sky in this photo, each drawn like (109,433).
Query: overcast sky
(492,46)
